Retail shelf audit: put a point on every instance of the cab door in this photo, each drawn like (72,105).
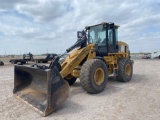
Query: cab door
(112,40)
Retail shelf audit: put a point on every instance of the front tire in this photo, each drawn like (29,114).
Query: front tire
(125,70)
(94,76)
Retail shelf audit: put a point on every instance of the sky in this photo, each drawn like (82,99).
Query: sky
(50,26)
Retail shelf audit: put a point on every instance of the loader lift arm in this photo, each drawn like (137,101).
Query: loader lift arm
(81,42)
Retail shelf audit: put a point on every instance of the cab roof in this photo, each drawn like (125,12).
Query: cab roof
(117,26)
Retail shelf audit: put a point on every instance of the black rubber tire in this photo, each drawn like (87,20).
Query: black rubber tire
(71,81)
(1,63)
(122,76)
(87,76)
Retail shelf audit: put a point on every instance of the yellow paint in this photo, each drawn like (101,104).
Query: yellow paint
(71,67)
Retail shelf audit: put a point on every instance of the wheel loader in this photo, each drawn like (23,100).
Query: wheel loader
(96,55)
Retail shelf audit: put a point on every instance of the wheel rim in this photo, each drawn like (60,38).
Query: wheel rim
(99,76)
(128,69)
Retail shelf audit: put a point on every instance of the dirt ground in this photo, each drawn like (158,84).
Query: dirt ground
(138,99)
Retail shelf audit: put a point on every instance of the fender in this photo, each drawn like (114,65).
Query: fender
(101,58)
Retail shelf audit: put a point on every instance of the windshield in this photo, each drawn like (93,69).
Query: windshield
(97,35)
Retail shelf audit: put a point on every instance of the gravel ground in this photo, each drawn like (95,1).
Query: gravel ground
(137,100)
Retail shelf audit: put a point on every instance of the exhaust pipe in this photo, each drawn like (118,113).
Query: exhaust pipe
(43,90)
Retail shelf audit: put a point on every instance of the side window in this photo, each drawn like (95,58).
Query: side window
(92,36)
(110,36)
(122,48)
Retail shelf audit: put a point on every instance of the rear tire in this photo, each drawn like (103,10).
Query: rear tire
(1,63)
(125,70)
(94,76)
(71,81)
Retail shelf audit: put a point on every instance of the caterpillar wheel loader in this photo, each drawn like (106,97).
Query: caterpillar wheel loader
(94,57)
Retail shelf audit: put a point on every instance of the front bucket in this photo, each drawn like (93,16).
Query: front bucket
(42,90)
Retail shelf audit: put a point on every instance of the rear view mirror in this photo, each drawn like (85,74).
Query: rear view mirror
(79,34)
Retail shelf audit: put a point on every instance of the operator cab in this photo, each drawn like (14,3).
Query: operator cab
(105,37)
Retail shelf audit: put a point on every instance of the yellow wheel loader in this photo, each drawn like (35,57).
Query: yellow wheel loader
(94,57)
